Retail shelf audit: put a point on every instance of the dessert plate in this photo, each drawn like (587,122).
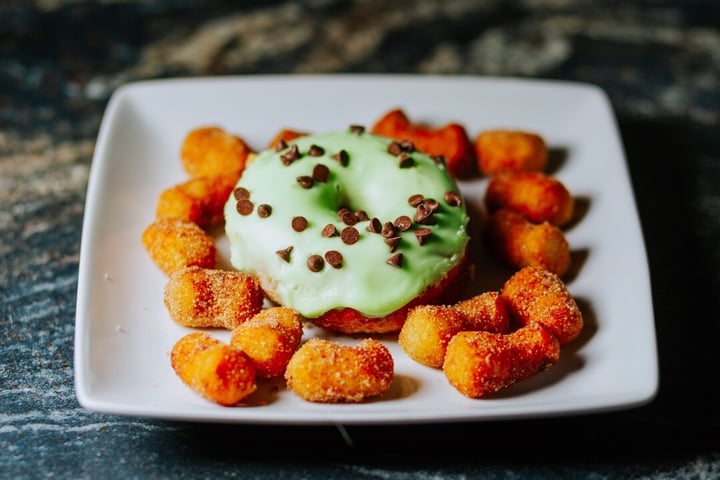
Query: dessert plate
(123,333)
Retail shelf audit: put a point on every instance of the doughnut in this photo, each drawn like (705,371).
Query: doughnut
(541,198)
(347,228)
(510,151)
(212,151)
(327,372)
(174,244)
(450,141)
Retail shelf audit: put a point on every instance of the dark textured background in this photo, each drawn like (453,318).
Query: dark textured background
(60,60)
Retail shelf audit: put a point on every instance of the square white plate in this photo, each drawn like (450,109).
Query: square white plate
(124,334)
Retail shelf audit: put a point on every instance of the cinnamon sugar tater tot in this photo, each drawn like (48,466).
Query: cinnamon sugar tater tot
(486,311)
(449,141)
(205,298)
(269,339)
(540,197)
(520,243)
(327,372)
(174,244)
(217,371)
(510,151)
(481,363)
(426,332)
(212,151)
(286,135)
(199,200)
(535,295)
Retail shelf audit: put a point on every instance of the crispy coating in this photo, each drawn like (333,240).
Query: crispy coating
(449,141)
(427,331)
(201,298)
(486,311)
(269,339)
(327,372)
(510,151)
(520,243)
(540,197)
(481,363)
(209,151)
(287,135)
(535,295)
(217,371)
(200,200)
(174,244)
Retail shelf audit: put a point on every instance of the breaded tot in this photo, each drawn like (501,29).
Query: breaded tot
(327,372)
(486,311)
(500,151)
(269,339)
(203,298)
(481,363)
(217,371)
(520,243)
(450,141)
(174,244)
(427,331)
(209,151)
(286,135)
(200,200)
(541,198)
(535,295)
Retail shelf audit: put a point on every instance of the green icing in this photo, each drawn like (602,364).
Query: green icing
(371,181)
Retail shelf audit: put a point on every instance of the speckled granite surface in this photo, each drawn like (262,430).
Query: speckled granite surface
(61,59)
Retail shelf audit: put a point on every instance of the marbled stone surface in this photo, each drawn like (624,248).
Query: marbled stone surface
(60,60)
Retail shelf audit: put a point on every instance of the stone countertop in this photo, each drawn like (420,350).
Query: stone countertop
(60,60)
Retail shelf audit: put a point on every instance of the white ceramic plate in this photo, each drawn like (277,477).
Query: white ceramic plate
(124,334)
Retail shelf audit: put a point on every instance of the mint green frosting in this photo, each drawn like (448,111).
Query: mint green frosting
(371,181)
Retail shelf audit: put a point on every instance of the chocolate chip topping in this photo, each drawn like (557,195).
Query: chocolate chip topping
(362,216)
(334,258)
(359,129)
(375,226)
(432,205)
(329,231)
(305,181)
(299,223)
(453,199)
(349,235)
(264,210)
(405,161)
(315,263)
(407,146)
(240,193)
(415,200)
(402,223)
(342,158)
(281,145)
(284,254)
(321,173)
(422,235)
(316,151)
(290,156)
(395,260)
(392,242)
(244,206)
(394,148)
(439,159)
(425,211)
(347,216)
(388,230)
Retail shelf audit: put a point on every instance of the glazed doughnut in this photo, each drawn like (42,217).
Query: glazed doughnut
(347,228)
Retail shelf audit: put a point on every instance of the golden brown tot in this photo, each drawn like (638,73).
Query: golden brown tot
(426,332)
(510,151)
(200,200)
(174,244)
(486,311)
(209,151)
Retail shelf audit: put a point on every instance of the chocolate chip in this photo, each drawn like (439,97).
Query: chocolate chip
(394,148)
(375,226)
(329,230)
(321,173)
(453,199)
(347,217)
(415,200)
(402,223)
(240,193)
(342,158)
(299,223)
(392,242)
(285,254)
(362,216)
(422,235)
(244,206)
(281,145)
(349,235)
(432,205)
(264,210)
(424,215)
(395,260)
(334,258)
(290,156)
(407,146)
(405,161)
(439,159)
(316,151)
(305,181)
(315,263)
(359,129)
(388,230)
